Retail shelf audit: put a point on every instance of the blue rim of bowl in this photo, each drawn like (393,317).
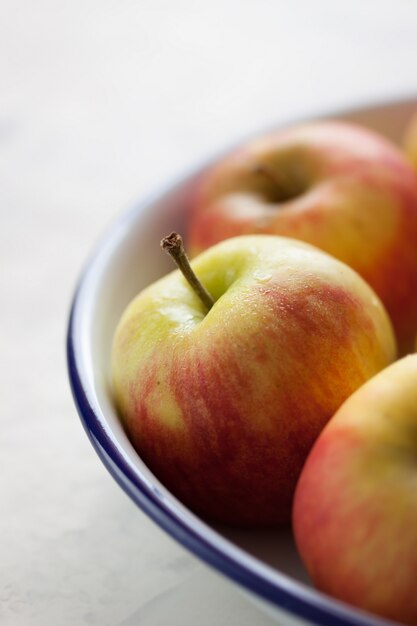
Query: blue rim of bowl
(315,609)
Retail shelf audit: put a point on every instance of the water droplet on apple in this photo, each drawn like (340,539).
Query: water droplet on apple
(262,277)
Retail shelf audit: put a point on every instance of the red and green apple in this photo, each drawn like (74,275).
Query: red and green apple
(224,403)
(342,188)
(355,507)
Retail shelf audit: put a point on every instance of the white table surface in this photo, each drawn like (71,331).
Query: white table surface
(100,103)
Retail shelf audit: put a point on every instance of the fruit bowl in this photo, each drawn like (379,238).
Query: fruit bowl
(264,563)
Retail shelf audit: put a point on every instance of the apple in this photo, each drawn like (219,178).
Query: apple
(337,186)
(223,395)
(410,140)
(355,507)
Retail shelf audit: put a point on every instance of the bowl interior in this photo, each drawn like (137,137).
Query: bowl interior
(128,259)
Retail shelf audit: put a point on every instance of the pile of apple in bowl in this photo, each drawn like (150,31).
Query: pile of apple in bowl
(269,382)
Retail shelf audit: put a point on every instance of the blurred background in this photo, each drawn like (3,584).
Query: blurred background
(100,104)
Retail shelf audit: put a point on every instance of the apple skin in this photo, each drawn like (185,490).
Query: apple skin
(342,188)
(410,140)
(224,406)
(355,507)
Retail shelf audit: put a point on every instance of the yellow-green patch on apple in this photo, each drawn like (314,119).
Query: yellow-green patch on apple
(410,140)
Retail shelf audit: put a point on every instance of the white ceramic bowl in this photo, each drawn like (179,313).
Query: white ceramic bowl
(264,563)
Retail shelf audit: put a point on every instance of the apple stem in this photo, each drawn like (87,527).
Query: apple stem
(279,181)
(264,170)
(174,246)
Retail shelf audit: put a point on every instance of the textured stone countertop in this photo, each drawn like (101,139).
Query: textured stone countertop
(100,103)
